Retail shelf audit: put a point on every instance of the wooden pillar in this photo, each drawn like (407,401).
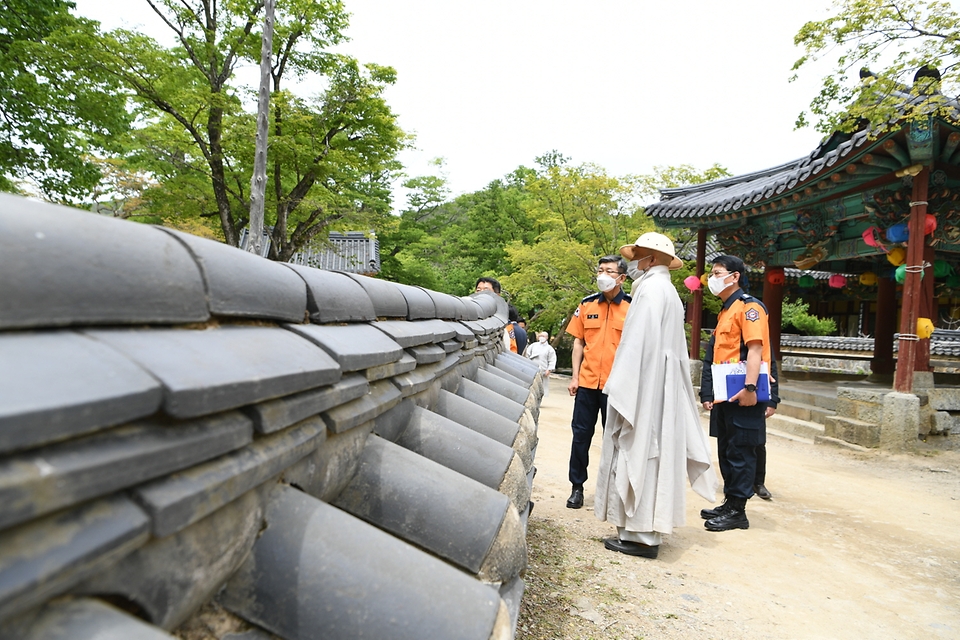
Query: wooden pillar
(696,305)
(884,327)
(906,360)
(928,309)
(773,300)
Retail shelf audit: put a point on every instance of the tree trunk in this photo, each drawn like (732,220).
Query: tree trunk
(258,183)
(218,176)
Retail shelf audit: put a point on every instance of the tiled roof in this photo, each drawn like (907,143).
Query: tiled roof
(182,420)
(736,193)
(944,342)
(350,252)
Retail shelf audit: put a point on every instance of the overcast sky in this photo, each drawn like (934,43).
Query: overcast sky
(625,84)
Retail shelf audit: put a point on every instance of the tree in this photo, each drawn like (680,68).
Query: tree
(893,39)
(796,315)
(56,103)
(331,158)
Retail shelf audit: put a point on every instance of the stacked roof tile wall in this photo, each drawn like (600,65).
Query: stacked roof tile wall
(327,455)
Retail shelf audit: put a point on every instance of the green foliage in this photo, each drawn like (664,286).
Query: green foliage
(331,157)
(57,104)
(893,38)
(796,316)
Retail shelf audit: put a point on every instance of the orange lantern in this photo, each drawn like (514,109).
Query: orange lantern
(776,276)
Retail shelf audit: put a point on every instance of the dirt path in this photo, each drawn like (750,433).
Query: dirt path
(853,545)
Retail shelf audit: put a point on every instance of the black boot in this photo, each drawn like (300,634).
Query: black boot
(734,516)
(707,514)
(576,498)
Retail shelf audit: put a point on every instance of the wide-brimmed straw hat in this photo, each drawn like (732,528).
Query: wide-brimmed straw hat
(655,242)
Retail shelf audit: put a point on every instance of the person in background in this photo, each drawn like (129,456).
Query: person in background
(653,438)
(545,356)
(518,334)
(739,423)
(595,326)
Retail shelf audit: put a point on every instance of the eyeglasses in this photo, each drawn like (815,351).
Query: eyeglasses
(610,272)
(720,274)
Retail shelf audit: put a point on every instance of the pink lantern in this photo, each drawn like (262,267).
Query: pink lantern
(929,224)
(692,283)
(837,281)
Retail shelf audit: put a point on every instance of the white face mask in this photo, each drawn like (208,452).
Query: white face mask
(716,284)
(634,270)
(542,339)
(605,282)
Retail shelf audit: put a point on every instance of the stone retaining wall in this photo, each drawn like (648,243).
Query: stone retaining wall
(326,455)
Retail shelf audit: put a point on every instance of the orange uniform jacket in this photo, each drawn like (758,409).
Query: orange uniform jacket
(599,324)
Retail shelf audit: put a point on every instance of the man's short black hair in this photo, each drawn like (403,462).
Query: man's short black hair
(621,263)
(493,282)
(733,264)
(512,314)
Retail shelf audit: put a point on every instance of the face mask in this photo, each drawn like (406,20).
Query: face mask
(542,340)
(634,270)
(605,282)
(716,284)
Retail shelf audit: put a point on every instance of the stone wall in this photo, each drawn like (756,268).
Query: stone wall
(323,454)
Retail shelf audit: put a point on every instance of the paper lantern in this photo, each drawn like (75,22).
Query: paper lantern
(704,278)
(868,278)
(898,233)
(776,277)
(896,256)
(806,282)
(692,283)
(941,269)
(872,237)
(929,224)
(924,328)
(953,281)
(901,274)
(837,281)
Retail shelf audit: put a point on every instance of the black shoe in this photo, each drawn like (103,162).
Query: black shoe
(632,548)
(707,514)
(732,518)
(762,492)
(576,499)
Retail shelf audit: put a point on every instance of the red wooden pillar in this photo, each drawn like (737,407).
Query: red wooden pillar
(885,324)
(696,305)
(906,360)
(773,300)
(928,309)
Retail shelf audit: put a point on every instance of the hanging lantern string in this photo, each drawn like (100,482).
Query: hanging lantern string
(910,337)
(918,203)
(917,268)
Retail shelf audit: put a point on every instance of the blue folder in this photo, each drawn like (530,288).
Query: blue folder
(736,381)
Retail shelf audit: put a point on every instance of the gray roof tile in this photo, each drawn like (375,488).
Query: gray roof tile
(63,267)
(205,371)
(185,497)
(335,297)
(44,558)
(404,364)
(448,307)
(241,284)
(419,302)
(64,474)
(471,309)
(273,415)
(408,334)
(427,353)
(354,346)
(388,301)
(382,397)
(62,384)
(81,619)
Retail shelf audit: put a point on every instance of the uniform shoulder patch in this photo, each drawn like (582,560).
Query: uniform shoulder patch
(752,314)
(576,314)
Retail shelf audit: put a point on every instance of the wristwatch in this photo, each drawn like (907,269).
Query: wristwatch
(752,388)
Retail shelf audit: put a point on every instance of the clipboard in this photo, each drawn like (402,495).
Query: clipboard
(729,378)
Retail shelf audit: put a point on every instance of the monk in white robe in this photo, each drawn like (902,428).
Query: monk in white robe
(653,434)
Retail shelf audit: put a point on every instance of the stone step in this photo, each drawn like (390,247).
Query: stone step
(789,436)
(802,411)
(802,428)
(825,399)
(865,434)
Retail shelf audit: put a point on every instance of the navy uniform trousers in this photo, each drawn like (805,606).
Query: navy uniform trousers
(739,432)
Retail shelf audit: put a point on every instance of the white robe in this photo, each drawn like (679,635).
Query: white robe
(653,431)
